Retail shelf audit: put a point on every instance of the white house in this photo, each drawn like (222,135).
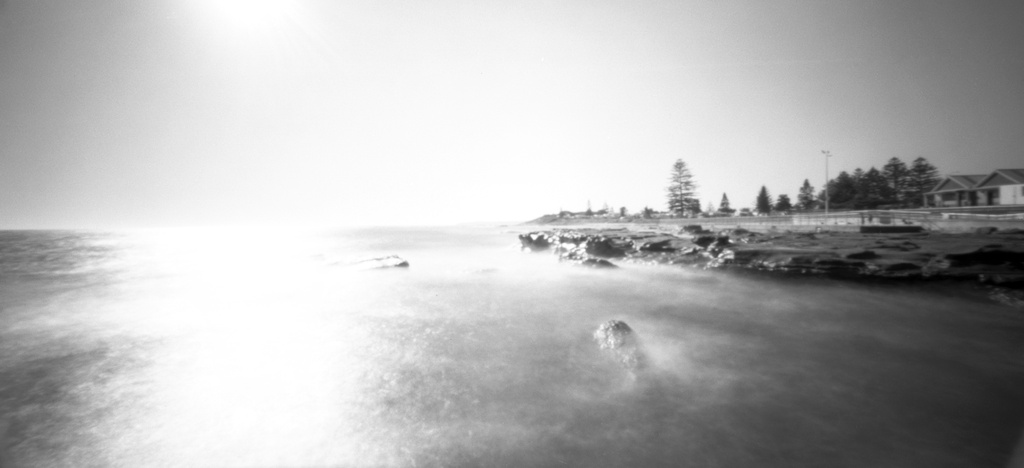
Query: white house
(1001,187)
(955,190)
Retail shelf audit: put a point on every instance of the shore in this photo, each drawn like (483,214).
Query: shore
(991,260)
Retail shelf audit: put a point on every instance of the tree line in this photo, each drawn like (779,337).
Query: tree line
(896,185)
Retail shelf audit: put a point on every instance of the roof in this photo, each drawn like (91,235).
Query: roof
(1003,177)
(955,183)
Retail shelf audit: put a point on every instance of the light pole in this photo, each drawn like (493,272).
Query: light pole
(828,154)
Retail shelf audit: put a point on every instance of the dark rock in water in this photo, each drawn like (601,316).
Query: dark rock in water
(985,230)
(693,229)
(390,261)
(1010,297)
(865,255)
(604,247)
(616,338)
(1005,279)
(707,241)
(534,241)
(597,263)
(580,257)
(986,256)
(657,244)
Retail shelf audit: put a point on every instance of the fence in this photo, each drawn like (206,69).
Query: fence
(931,219)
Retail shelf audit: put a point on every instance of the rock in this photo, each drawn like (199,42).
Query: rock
(390,261)
(618,339)
(604,247)
(597,263)
(707,241)
(658,244)
(692,229)
(1010,297)
(1005,279)
(985,230)
(902,266)
(579,256)
(534,241)
(985,256)
(865,255)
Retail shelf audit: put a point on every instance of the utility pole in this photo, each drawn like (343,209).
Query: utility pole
(828,154)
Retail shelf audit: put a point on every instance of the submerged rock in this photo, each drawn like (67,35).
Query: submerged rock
(579,256)
(617,339)
(390,261)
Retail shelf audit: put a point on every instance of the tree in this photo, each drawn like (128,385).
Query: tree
(710,209)
(590,212)
(841,191)
(682,190)
(724,207)
(623,212)
(647,213)
(805,200)
(872,189)
(922,178)
(897,176)
(783,204)
(693,208)
(764,201)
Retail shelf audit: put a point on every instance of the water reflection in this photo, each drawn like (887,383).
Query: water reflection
(236,349)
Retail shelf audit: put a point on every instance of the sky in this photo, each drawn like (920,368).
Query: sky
(321,113)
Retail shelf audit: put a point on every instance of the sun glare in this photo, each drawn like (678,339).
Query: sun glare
(249,15)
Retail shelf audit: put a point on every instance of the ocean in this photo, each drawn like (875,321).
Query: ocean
(250,347)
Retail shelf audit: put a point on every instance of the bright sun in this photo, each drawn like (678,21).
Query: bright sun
(249,15)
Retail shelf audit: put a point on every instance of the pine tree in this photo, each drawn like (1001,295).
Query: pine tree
(872,189)
(764,201)
(805,200)
(724,207)
(897,176)
(841,190)
(923,177)
(783,204)
(682,190)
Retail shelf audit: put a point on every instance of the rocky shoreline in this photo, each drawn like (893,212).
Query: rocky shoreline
(994,259)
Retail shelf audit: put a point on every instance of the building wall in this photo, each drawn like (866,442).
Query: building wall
(1011,194)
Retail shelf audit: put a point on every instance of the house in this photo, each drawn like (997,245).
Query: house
(1002,187)
(955,190)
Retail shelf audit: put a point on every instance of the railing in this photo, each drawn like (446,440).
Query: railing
(847,218)
(928,218)
(985,217)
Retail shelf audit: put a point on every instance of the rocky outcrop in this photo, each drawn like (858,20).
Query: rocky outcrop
(588,249)
(618,340)
(993,258)
(535,241)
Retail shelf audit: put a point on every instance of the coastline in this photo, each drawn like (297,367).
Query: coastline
(992,260)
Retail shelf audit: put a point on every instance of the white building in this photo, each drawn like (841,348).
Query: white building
(1001,187)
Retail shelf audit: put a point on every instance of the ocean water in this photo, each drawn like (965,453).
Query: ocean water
(196,347)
